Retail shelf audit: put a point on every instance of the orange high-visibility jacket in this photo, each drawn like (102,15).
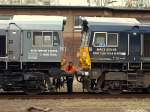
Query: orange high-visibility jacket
(70,69)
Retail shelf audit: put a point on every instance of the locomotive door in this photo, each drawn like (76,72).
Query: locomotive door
(2,45)
(14,45)
(134,47)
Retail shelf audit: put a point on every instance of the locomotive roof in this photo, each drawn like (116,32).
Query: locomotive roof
(4,24)
(28,22)
(111,21)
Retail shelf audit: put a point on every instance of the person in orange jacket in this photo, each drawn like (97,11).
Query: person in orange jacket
(70,70)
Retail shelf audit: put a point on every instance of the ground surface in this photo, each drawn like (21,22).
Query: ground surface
(77,105)
(77,86)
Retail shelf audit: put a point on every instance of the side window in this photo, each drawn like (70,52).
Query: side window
(29,35)
(56,41)
(42,39)
(103,39)
(47,38)
(100,39)
(37,39)
(112,39)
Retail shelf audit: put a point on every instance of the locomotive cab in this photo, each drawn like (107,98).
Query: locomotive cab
(112,52)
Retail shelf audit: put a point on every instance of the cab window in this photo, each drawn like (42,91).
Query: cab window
(47,38)
(104,39)
(42,39)
(100,39)
(37,39)
(112,39)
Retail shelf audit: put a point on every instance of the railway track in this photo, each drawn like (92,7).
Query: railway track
(73,96)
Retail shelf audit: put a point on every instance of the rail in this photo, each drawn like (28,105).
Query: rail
(76,95)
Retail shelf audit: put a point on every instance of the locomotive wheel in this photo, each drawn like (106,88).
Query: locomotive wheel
(114,91)
(114,88)
(146,90)
(33,88)
(32,91)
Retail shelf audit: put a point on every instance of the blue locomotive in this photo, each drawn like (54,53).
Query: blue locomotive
(115,55)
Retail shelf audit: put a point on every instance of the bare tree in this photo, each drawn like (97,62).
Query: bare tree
(103,2)
(98,2)
(137,3)
(89,2)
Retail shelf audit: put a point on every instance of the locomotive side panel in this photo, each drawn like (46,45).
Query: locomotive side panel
(115,51)
(42,46)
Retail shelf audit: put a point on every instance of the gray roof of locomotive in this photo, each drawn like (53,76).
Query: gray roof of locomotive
(26,22)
